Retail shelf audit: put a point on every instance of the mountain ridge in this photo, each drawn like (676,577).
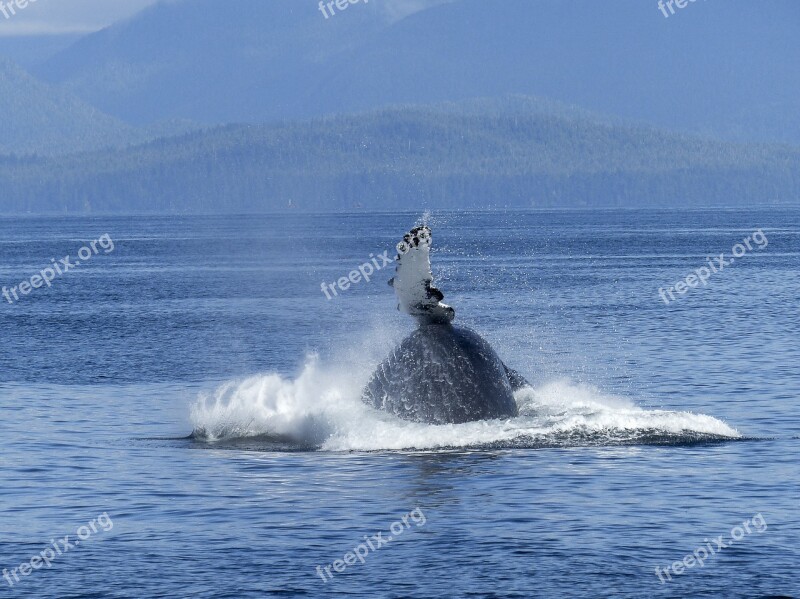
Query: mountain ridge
(500,154)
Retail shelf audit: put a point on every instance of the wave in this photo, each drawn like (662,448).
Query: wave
(321,409)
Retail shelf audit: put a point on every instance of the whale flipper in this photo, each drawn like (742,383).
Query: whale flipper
(413,280)
(515,379)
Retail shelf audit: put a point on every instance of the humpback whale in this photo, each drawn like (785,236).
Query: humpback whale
(441,373)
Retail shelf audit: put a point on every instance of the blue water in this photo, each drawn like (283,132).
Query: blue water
(651,429)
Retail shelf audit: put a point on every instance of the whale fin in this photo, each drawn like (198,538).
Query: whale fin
(413,280)
(515,379)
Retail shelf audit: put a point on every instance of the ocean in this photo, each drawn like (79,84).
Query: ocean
(180,409)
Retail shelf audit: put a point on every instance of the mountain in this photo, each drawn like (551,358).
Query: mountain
(515,153)
(254,60)
(45,120)
(726,69)
(38,118)
(30,50)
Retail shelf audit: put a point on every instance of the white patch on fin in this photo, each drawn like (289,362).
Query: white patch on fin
(413,280)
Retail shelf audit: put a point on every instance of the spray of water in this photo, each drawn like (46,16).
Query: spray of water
(321,408)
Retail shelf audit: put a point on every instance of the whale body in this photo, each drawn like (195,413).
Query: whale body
(440,373)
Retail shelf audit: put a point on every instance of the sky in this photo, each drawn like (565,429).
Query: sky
(46,17)
(52,17)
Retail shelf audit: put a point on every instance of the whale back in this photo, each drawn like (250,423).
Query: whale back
(442,374)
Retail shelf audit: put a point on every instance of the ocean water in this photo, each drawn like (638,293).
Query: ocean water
(183,406)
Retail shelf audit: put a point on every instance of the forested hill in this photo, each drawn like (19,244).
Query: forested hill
(442,157)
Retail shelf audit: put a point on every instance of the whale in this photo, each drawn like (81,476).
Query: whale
(441,373)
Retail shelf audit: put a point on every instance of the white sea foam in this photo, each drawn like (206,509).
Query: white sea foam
(322,408)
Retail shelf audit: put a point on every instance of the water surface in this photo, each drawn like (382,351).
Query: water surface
(649,429)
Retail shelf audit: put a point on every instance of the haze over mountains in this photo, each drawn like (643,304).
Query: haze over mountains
(722,67)
(724,70)
(47,120)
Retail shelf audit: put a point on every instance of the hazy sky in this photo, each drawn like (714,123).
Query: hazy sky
(82,16)
(66,16)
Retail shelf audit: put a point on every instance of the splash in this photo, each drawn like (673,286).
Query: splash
(322,409)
